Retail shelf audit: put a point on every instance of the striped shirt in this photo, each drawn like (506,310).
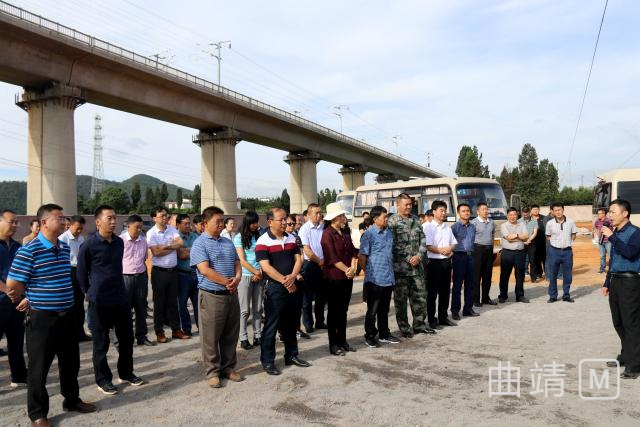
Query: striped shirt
(221,255)
(45,271)
(281,253)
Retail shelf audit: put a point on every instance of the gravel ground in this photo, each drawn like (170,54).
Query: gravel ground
(428,380)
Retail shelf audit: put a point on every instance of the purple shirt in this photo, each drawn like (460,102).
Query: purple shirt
(135,254)
(598,224)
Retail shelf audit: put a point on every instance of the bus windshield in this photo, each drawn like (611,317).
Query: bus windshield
(491,194)
(346,201)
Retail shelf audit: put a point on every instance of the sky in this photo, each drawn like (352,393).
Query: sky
(419,79)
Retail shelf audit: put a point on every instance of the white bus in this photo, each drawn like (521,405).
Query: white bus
(425,191)
(618,183)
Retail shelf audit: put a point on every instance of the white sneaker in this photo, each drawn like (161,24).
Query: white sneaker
(17,385)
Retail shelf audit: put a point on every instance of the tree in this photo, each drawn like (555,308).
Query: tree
(136,194)
(117,198)
(179,197)
(285,200)
(470,163)
(506,181)
(149,199)
(528,184)
(164,194)
(195,198)
(156,197)
(549,182)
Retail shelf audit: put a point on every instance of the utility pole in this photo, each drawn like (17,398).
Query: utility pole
(97,179)
(428,159)
(396,139)
(217,46)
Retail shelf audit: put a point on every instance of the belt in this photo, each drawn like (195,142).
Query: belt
(568,248)
(513,250)
(164,269)
(135,274)
(483,246)
(225,292)
(58,313)
(626,275)
(469,253)
(183,271)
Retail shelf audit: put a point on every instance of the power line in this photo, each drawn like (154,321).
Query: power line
(586,87)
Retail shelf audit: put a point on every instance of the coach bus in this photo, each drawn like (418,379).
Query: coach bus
(425,191)
(618,183)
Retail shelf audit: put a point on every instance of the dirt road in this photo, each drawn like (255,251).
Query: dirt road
(428,380)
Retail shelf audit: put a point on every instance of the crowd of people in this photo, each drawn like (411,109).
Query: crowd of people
(283,277)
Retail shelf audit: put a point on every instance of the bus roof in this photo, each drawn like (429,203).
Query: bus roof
(421,182)
(621,175)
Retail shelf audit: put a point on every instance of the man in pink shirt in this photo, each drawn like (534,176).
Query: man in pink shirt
(136,280)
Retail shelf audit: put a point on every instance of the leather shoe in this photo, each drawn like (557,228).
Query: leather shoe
(256,342)
(470,314)
(613,364)
(568,299)
(271,369)
(501,300)
(295,360)
(630,375)
(336,351)
(550,300)
(490,302)
(321,326)
(161,337)
(447,322)
(407,334)
(347,347)
(434,325)
(146,342)
(477,304)
(41,422)
(234,376)
(523,299)
(426,330)
(180,335)
(304,335)
(214,382)
(309,329)
(79,406)
(246,345)
(455,316)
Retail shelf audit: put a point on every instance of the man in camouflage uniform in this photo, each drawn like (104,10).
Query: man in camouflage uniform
(409,248)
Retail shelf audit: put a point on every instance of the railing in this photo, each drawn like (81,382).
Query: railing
(155,66)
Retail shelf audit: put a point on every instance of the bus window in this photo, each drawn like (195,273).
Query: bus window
(491,194)
(365,200)
(630,191)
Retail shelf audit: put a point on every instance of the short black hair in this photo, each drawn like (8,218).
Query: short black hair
(156,210)
(429,212)
(133,219)
(271,212)
(226,220)
(305,212)
(312,205)
(209,212)
(180,217)
(557,205)
(45,210)
(197,219)
(526,209)
(32,221)
(438,204)
(512,209)
(535,206)
(102,208)
(481,204)
(366,213)
(376,211)
(624,204)
(461,205)
(4,211)
(77,219)
(602,210)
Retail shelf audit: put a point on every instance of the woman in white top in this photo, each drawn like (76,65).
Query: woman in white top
(229,225)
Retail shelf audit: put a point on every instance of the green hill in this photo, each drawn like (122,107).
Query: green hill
(13,194)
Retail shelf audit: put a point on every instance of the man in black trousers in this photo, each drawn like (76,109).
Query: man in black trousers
(100,276)
(483,255)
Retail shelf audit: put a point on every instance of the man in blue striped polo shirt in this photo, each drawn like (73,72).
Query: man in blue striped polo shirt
(219,274)
(41,270)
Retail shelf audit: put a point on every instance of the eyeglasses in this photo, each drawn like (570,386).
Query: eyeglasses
(290,224)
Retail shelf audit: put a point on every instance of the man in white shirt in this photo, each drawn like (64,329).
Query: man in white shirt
(74,238)
(561,232)
(314,284)
(163,241)
(440,246)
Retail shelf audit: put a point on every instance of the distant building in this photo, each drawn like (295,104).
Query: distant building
(186,204)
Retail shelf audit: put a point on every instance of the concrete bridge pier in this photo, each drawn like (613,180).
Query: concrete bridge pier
(387,178)
(352,176)
(218,168)
(51,160)
(303,179)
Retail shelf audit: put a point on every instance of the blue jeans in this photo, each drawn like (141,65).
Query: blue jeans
(547,265)
(280,309)
(557,258)
(463,271)
(187,290)
(605,250)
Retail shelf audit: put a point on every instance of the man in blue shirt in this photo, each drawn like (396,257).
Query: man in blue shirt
(44,264)
(463,263)
(376,258)
(11,319)
(623,285)
(219,274)
(100,277)
(187,278)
